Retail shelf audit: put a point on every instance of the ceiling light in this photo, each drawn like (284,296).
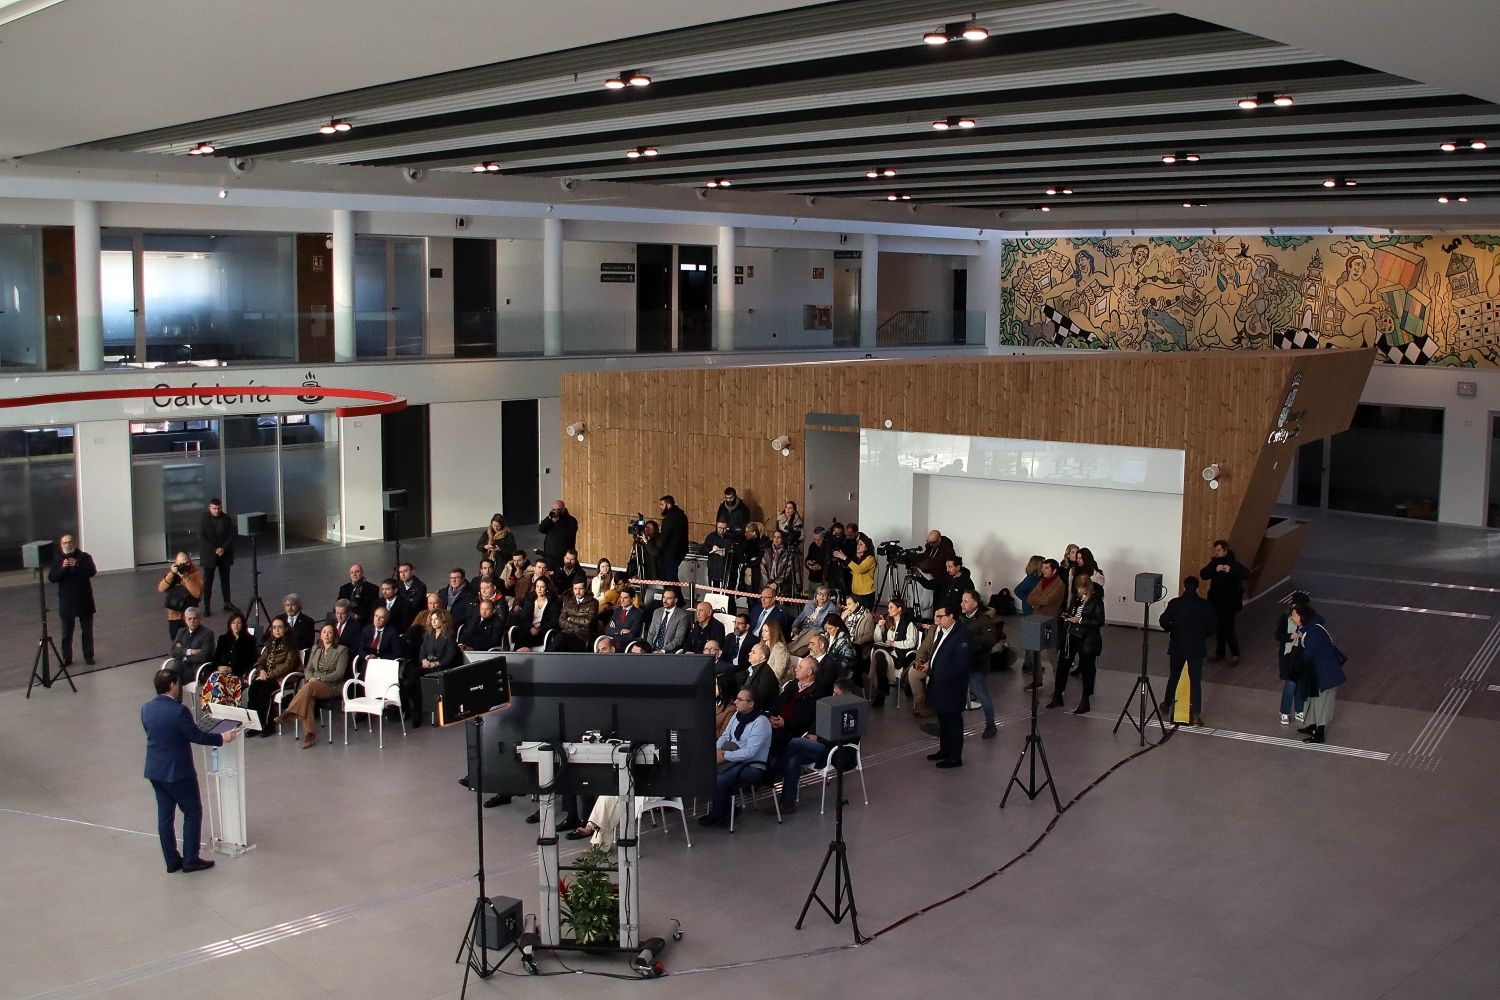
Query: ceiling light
(628,78)
(334,125)
(1192,157)
(953,121)
(1050,191)
(1187,204)
(1046,208)
(720,182)
(974,32)
(1282,100)
(898,196)
(1350,182)
(1463,198)
(614,83)
(1245,104)
(1067,190)
(936,38)
(639,79)
(1263,100)
(1478,144)
(488,167)
(1330,182)
(1449,147)
(640,151)
(1169,158)
(942,125)
(1181,157)
(202,149)
(970,30)
(966,123)
(1444,199)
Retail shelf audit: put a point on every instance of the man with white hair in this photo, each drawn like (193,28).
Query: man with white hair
(194,645)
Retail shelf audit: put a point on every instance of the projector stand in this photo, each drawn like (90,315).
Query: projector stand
(46,649)
(1142,688)
(838,853)
(1033,749)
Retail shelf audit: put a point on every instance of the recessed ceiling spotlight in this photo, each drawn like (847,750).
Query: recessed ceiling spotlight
(1264,100)
(953,121)
(639,79)
(1330,182)
(875,173)
(640,151)
(1478,144)
(1444,199)
(720,182)
(631,78)
(1449,147)
(974,31)
(1044,208)
(1181,157)
(334,125)
(1067,190)
(970,30)
(202,149)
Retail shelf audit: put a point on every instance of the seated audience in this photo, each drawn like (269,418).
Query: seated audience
(738,641)
(917,675)
(236,647)
(299,627)
(278,657)
(193,646)
(322,675)
(793,710)
(486,630)
(537,617)
(379,640)
(411,639)
(604,587)
(669,625)
(702,629)
(768,611)
(345,627)
(458,598)
(568,573)
(827,667)
(802,751)
(220,687)
(762,679)
(577,618)
(412,587)
(895,641)
(626,621)
(741,752)
(781,659)
(438,652)
(398,614)
(485,572)
(842,660)
(810,620)
(360,593)
(515,577)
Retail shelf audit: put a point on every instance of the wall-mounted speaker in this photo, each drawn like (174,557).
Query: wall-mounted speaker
(38,554)
(394,499)
(252,524)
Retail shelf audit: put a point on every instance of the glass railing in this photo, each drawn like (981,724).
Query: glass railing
(259,338)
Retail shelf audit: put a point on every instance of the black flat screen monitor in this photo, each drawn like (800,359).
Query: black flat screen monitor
(667,701)
(470,689)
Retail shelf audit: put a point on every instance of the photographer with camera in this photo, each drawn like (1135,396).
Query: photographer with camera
(674,537)
(718,546)
(861,569)
(733,511)
(645,549)
(816,561)
(560,533)
(931,564)
(183,586)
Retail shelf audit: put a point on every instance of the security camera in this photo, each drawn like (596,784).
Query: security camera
(811,201)
(460,223)
(702,194)
(413,175)
(567,183)
(241,165)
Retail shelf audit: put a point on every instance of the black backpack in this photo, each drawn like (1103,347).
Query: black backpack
(1004,603)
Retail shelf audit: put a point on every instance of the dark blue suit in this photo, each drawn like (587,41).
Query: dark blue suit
(170,733)
(774,615)
(948,690)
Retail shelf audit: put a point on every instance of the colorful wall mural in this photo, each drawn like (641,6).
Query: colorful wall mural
(1420,300)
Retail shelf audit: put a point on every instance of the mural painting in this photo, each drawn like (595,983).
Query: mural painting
(1419,300)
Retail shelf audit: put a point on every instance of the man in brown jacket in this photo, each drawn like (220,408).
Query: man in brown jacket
(917,675)
(1046,598)
(577,617)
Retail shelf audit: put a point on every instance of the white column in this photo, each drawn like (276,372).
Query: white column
(86,265)
(984,291)
(869,281)
(343,285)
(724,292)
(552,286)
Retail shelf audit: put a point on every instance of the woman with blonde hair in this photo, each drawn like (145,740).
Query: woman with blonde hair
(327,663)
(780,659)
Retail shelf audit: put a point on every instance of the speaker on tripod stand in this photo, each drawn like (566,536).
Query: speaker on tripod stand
(1038,632)
(393,502)
(1148,590)
(252,526)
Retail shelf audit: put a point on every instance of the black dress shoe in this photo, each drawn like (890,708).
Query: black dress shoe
(535,817)
(568,823)
(496,800)
(89,660)
(950,763)
(1056,702)
(989,733)
(464,781)
(578,833)
(1082,708)
(201,865)
(937,756)
(1307,730)
(174,868)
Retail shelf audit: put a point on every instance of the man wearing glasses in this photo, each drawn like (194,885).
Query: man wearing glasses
(742,750)
(948,686)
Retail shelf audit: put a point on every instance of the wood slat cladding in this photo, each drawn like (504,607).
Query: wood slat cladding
(693,432)
(60,297)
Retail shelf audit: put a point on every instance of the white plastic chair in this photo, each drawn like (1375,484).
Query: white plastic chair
(598,642)
(720,604)
(827,770)
(725,619)
(382,690)
(752,789)
(652,803)
(283,697)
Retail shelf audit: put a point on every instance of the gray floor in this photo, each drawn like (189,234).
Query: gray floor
(1231,862)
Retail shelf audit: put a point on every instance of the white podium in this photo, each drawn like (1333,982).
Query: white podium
(224,771)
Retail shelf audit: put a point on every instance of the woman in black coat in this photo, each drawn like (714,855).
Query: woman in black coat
(1289,663)
(1083,621)
(236,647)
(537,617)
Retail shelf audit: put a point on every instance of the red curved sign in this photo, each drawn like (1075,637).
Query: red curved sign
(379,402)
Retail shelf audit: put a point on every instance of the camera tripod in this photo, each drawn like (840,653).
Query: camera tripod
(1033,749)
(838,853)
(1143,688)
(46,649)
(908,587)
(476,939)
(257,607)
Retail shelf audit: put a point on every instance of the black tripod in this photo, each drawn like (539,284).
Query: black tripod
(46,649)
(1143,687)
(1033,750)
(904,586)
(476,944)
(257,607)
(838,853)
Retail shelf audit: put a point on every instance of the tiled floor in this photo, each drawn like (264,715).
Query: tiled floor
(1235,863)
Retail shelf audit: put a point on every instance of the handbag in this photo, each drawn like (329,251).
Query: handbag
(1336,651)
(178,598)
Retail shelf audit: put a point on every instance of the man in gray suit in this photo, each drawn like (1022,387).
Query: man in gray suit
(668,630)
(194,645)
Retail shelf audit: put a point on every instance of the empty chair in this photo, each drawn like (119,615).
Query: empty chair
(827,771)
(653,803)
(380,690)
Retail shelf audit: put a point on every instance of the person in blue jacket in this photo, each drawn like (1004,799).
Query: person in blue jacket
(1323,670)
(170,733)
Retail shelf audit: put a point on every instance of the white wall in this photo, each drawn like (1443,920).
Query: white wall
(770,304)
(440,296)
(920,283)
(1123,503)
(102,451)
(549,451)
(464,461)
(598,316)
(362,508)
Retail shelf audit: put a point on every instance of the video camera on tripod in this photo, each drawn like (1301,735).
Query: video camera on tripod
(637,524)
(894,552)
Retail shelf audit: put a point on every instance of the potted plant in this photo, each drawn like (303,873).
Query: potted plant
(590,903)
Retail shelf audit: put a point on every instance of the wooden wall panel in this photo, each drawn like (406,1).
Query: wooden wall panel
(692,432)
(60,297)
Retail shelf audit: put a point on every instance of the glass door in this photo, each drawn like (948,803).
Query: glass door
(175,466)
(390,297)
(252,473)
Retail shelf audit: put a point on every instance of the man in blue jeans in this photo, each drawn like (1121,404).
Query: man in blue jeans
(980,622)
(804,751)
(170,734)
(741,751)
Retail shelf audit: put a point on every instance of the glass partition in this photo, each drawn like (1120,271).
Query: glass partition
(22,345)
(310,488)
(174,469)
(39,498)
(1389,461)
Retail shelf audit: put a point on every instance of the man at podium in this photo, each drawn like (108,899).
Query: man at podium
(170,733)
